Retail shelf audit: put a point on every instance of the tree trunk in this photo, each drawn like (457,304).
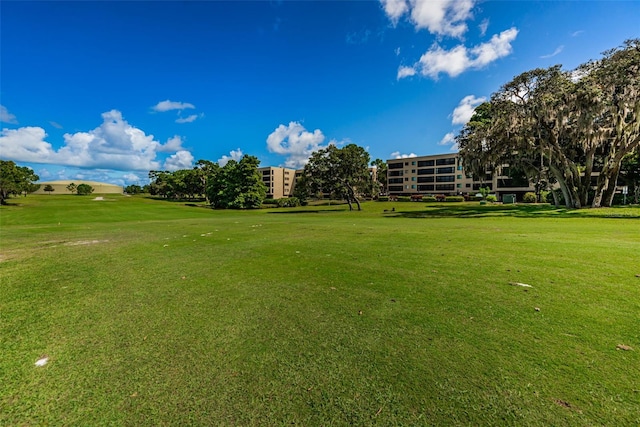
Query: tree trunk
(563,186)
(556,202)
(610,191)
(349,202)
(586,178)
(607,181)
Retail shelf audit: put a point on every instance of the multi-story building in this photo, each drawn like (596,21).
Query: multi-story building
(279,181)
(444,174)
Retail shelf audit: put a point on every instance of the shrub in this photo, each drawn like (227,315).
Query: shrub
(544,196)
(404,198)
(454,199)
(492,198)
(440,197)
(529,197)
(428,199)
(288,202)
(383,198)
(84,190)
(270,202)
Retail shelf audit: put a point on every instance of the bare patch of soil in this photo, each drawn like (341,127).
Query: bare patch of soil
(84,242)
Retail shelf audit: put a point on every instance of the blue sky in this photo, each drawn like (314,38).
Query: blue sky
(107,91)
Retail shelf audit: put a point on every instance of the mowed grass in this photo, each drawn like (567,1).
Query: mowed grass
(159,313)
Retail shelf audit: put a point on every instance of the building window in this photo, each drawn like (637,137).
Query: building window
(447,161)
(445,170)
(413,178)
(394,166)
(425,179)
(445,178)
(406,179)
(413,186)
(445,187)
(459,177)
(429,171)
(413,163)
(413,171)
(458,185)
(422,163)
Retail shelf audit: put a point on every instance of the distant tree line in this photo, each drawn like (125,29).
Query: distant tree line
(331,172)
(236,185)
(576,130)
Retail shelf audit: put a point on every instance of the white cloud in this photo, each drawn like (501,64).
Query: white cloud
(233,155)
(55,124)
(442,17)
(173,144)
(577,33)
(463,112)
(484,25)
(133,178)
(555,52)
(395,9)
(295,142)
(171,105)
(180,160)
(404,71)
(25,144)
(115,144)
(459,59)
(397,155)
(44,174)
(6,116)
(188,119)
(448,139)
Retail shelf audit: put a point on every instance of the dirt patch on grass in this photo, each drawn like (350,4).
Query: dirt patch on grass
(84,242)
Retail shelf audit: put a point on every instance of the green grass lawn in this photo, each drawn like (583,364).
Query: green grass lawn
(158,313)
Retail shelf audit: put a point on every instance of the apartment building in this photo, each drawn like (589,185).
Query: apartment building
(444,174)
(279,181)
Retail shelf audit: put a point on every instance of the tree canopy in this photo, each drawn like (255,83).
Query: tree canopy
(84,189)
(72,188)
(237,185)
(562,127)
(181,184)
(341,172)
(15,180)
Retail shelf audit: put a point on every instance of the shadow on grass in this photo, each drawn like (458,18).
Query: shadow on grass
(183,200)
(517,211)
(307,211)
